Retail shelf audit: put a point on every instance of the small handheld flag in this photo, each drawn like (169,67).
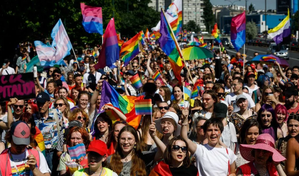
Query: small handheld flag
(136,82)
(78,151)
(143,107)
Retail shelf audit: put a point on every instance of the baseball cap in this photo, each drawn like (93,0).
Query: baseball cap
(269,74)
(98,146)
(250,74)
(220,110)
(241,96)
(290,91)
(42,97)
(20,132)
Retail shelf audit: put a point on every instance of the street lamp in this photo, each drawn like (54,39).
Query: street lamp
(232,2)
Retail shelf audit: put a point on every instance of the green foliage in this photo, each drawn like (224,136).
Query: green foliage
(30,20)
(251,8)
(208,16)
(192,26)
(294,21)
(251,30)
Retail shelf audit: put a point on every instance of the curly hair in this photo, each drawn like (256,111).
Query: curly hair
(138,165)
(82,131)
(74,115)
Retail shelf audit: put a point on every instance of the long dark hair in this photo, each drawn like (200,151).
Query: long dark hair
(167,154)
(245,127)
(138,165)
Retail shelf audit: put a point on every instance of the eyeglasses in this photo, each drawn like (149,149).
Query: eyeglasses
(177,148)
(164,107)
(264,115)
(58,104)
(19,106)
(135,66)
(79,118)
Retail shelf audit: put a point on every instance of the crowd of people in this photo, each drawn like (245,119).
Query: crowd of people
(243,120)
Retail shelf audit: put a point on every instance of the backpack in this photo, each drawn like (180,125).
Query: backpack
(92,81)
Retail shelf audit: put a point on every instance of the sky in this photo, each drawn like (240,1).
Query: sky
(258,4)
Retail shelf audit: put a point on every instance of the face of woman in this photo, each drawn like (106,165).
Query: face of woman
(289,73)
(293,127)
(127,141)
(75,94)
(76,138)
(80,118)
(281,116)
(261,156)
(207,71)
(177,93)
(28,109)
(208,101)
(83,101)
(167,126)
(162,92)
(199,128)
(251,135)
(117,129)
(267,92)
(243,104)
(62,93)
(266,118)
(178,151)
(213,134)
(102,125)
(71,78)
(60,105)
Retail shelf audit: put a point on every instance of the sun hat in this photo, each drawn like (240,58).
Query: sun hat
(98,146)
(174,117)
(20,132)
(264,142)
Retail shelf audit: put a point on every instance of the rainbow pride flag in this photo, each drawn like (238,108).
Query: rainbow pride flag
(215,32)
(147,34)
(203,45)
(120,41)
(212,46)
(268,59)
(39,139)
(201,40)
(195,90)
(157,75)
(130,49)
(196,40)
(136,82)
(170,47)
(143,107)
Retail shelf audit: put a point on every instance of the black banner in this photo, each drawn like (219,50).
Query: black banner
(282,6)
(20,86)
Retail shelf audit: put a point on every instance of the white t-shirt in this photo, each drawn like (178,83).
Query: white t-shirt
(85,77)
(212,160)
(250,91)
(229,136)
(231,99)
(19,168)
(8,71)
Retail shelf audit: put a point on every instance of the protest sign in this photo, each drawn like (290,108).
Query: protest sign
(20,86)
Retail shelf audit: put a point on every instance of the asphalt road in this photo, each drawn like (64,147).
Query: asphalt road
(249,51)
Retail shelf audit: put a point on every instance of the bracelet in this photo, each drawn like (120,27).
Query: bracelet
(97,89)
(185,124)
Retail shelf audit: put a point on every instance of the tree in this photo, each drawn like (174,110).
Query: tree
(251,30)
(208,15)
(251,8)
(294,22)
(30,20)
(192,26)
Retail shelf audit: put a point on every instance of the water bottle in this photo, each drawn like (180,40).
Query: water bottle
(35,72)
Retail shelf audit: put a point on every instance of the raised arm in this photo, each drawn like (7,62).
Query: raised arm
(119,113)
(292,152)
(161,146)
(280,71)
(148,67)
(94,97)
(184,131)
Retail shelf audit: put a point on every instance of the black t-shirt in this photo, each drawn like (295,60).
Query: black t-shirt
(184,171)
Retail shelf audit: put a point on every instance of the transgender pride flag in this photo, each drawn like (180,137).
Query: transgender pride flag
(61,41)
(92,19)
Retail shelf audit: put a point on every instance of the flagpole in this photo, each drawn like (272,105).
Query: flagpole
(177,45)
(74,53)
(244,59)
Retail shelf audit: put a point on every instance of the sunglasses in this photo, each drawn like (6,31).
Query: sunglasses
(266,94)
(164,107)
(79,118)
(264,115)
(19,106)
(177,148)
(105,78)
(56,75)
(58,104)
(135,66)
